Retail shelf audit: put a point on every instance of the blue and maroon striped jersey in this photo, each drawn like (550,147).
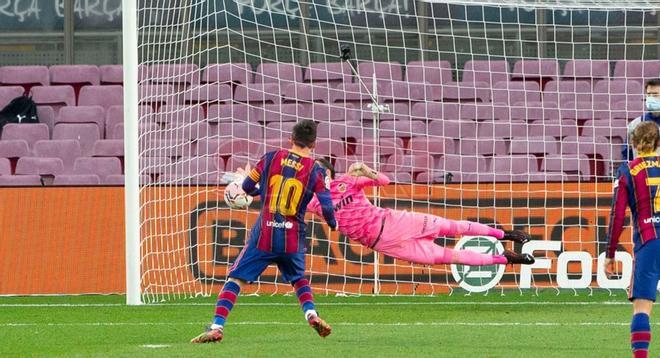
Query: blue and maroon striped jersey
(287,182)
(637,186)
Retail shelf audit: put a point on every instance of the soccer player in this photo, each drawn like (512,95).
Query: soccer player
(406,235)
(287,181)
(638,186)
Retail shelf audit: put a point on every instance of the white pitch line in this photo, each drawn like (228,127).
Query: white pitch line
(271,304)
(340,324)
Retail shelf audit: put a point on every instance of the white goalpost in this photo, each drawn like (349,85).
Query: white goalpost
(510,113)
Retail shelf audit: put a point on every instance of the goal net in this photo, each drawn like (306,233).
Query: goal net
(510,113)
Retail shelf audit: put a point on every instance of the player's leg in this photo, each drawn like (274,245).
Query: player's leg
(643,288)
(250,263)
(426,252)
(292,267)
(640,328)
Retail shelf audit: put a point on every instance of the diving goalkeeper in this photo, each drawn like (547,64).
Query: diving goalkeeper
(406,235)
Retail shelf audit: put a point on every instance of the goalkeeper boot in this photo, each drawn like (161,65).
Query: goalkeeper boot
(209,336)
(516,258)
(518,236)
(320,326)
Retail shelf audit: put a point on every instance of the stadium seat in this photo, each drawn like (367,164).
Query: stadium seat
(46,115)
(8,93)
(83,114)
(85,133)
(383,71)
(20,180)
(14,148)
(172,115)
(467,92)
(206,94)
(155,165)
(227,148)
(328,73)
(194,170)
(353,93)
(40,166)
(501,129)
(118,179)
(397,91)
(589,70)
(287,112)
(153,95)
(112,74)
(75,75)
(490,72)
(175,74)
(25,76)
(397,111)
(29,132)
(399,177)
(100,166)
(453,129)
(517,167)
(104,96)
(461,168)
(535,70)
(277,144)
(477,112)
(76,179)
(386,147)
(407,163)
(228,112)
(431,72)
(281,73)
(258,93)
(535,111)
(565,92)
(636,70)
(518,92)
(403,128)
(621,94)
(66,149)
(329,148)
(228,73)
(278,129)
(115,115)
(434,111)
(165,147)
(5,166)
(577,165)
(433,146)
(321,112)
(615,128)
(108,148)
(241,130)
(599,149)
(54,96)
(543,145)
(237,161)
(353,130)
(310,92)
(553,127)
(343,163)
(482,146)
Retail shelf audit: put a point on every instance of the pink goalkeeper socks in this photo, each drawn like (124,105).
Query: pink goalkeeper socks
(470,258)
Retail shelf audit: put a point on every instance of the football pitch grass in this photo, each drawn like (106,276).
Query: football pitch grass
(493,325)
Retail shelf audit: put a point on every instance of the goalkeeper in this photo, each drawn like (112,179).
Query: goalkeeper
(406,235)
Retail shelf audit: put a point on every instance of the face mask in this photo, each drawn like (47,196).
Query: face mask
(653,104)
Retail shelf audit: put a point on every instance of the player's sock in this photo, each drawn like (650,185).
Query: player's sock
(459,228)
(471,258)
(305,297)
(640,335)
(226,300)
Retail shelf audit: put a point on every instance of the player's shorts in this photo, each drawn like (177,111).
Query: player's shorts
(409,236)
(251,262)
(646,272)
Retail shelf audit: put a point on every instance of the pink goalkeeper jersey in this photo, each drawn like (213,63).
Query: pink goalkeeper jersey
(358,219)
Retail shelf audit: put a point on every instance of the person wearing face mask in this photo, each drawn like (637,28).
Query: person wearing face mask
(652,92)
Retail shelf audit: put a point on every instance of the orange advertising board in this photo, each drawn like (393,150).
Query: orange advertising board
(71,240)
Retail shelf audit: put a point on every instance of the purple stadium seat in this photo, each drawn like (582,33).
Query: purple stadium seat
(591,70)
(386,147)
(155,165)
(477,112)
(85,133)
(39,166)
(234,162)
(14,148)
(636,70)
(403,128)
(259,93)
(288,112)
(467,92)
(553,128)
(328,147)
(76,179)
(397,111)
(434,111)
(398,91)
(112,74)
(535,69)
(515,164)
(115,116)
(501,129)
(322,112)
(194,170)
(353,93)
(67,150)
(349,129)
(383,71)
(75,75)
(433,146)
(8,93)
(46,115)
(278,129)
(463,168)
(277,144)
(165,147)
(176,74)
(54,96)
(598,148)
(108,148)
(431,72)
(519,92)
(482,146)
(100,166)
(104,96)
(342,164)
(615,128)
(568,163)
(20,180)
(615,91)
(627,110)
(453,129)
(25,76)
(241,130)
(5,166)
(411,164)
(29,132)
(207,93)
(564,92)
(278,73)
(535,111)
(119,180)
(228,112)
(534,145)
(328,73)
(83,114)
(310,92)
(151,94)
(229,147)
(228,73)
(486,71)
(173,115)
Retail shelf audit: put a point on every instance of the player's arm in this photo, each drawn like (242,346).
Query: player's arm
(367,176)
(252,178)
(617,217)
(322,191)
